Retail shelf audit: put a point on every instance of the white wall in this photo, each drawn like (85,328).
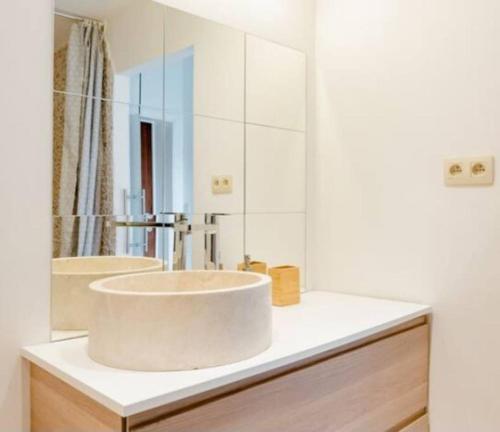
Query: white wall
(400,85)
(25,192)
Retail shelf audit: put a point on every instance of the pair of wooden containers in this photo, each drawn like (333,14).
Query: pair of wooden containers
(286,281)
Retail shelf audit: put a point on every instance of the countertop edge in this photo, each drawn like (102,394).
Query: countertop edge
(78,385)
(155,402)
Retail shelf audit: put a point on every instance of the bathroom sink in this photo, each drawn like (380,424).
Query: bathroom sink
(71,278)
(179,320)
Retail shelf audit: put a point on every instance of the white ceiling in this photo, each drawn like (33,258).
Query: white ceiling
(99,9)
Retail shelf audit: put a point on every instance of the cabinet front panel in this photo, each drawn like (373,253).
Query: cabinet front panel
(419,425)
(58,407)
(370,389)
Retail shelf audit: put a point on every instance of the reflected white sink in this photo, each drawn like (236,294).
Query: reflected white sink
(71,278)
(179,320)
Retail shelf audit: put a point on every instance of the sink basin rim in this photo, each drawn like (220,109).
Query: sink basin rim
(260,278)
(155,264)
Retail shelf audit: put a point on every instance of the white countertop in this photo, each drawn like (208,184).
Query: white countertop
(322,321)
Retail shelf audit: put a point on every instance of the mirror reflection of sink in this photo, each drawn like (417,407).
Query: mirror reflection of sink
(179,320)
(71,278)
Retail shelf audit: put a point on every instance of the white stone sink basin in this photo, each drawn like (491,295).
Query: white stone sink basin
(179,320)
(71,278)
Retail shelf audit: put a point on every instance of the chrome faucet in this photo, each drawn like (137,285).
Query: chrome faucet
(182,229)
(212,249)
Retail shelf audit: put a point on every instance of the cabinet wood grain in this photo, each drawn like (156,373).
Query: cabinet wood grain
(369,389)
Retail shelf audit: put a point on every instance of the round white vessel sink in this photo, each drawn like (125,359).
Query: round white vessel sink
(179,320)
(71,278)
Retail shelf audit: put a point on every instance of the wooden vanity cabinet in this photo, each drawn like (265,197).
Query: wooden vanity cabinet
(377,384)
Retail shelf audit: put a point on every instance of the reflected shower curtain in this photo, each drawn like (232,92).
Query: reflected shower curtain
(85,173)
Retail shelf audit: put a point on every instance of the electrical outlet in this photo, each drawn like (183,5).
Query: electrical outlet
(455,172)
(222,184)
(481,170)
(469,171)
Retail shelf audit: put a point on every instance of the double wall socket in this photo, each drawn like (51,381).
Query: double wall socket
(222,184)
(468,171)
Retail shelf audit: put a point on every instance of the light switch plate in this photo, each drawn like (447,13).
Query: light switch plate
(469,171)
(222,184)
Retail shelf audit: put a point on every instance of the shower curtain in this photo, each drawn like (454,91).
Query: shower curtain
(85,183)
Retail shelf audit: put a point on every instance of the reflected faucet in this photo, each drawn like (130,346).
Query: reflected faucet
(181,230)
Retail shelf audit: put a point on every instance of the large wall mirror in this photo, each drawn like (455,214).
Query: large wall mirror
(179,143)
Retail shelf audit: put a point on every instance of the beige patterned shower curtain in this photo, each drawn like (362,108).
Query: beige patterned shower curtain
(83,154)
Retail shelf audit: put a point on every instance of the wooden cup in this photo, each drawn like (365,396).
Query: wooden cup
(286,285)
(255,266)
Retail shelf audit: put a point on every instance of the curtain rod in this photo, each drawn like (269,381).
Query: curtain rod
(73,16)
